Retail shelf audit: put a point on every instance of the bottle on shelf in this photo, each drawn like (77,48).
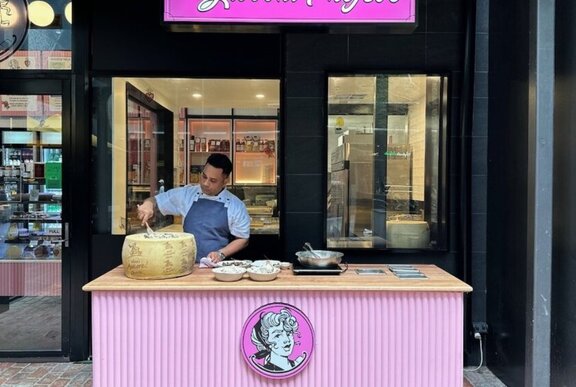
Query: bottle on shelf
(192,143)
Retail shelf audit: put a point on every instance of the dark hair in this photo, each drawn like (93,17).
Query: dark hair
(221,161)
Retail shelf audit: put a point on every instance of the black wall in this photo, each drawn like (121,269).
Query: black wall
(436,45)
(563,367)
(132,41)
(507,189)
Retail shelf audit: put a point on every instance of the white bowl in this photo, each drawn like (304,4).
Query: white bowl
(245,263)
(266,262)
(285,265)
(263,274)
(228,273)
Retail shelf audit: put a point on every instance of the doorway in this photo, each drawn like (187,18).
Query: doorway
(34,292)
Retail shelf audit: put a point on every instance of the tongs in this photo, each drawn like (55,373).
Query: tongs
(308,247)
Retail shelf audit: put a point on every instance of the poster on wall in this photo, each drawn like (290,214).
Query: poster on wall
(277,341)
(57,60)
(21,105)
(22,60)
(294,11)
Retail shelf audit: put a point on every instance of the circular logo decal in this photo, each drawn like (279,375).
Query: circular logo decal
(277,340)
(13,26)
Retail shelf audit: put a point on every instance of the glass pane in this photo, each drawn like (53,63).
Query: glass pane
(30,222)
(385,136)
(149,170)
(37,36)
(208,115)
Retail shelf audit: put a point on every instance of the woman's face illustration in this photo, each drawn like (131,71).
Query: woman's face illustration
(281,342)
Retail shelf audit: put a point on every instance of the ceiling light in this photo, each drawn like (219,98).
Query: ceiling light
(40,13)
(259,96)
(197,95)
(68,12)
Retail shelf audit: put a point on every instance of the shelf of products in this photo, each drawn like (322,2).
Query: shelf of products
(30,203)
(251,143)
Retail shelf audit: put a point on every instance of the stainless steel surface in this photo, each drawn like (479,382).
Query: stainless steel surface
(351,188)
(369,271)
(308,246)
(319,258)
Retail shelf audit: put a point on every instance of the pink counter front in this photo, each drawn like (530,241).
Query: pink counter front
(373,330)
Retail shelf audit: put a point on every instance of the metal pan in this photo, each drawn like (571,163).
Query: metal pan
(319,258)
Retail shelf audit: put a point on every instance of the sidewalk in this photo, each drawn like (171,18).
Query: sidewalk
(45,374)
(80,374)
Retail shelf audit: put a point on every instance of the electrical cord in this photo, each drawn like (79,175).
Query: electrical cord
(478,336)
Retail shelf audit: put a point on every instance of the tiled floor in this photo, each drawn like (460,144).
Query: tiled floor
(31,324)
(45,374)
(74,374)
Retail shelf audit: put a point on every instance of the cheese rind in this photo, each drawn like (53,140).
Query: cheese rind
(160,255)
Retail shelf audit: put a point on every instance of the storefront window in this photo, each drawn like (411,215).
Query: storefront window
(36,35)
(153,134)
(386,161)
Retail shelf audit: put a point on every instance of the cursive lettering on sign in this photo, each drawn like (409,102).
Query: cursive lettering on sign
(347,5)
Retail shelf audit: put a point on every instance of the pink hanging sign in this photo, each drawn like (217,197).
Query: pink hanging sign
(290,11)
(277,341)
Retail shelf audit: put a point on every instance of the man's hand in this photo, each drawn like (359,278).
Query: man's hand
(146,211)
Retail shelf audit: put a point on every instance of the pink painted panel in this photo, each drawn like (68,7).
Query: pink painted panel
(363,339)
(42,278)
(291,11)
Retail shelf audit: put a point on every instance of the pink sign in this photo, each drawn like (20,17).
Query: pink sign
(290,11)
(277,341)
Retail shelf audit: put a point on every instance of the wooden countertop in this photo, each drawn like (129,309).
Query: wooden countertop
(203,279)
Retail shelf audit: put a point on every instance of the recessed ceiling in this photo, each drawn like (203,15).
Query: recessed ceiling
(216,93)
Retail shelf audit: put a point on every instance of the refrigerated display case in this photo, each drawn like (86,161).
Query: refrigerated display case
(30,197)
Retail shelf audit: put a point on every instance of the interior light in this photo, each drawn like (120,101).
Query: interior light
(197,95)
(259,96)
(68,12)
(40,13)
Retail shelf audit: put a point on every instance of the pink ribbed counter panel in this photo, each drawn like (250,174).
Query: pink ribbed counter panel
(362,338)
(31,278)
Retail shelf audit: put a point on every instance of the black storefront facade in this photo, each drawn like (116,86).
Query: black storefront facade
(510,153)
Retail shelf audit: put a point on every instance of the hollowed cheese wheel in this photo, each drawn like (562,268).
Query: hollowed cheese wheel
(158,256)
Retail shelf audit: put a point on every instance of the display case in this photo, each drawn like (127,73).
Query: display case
(30,202)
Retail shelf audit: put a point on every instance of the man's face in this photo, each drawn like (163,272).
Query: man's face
(213,180)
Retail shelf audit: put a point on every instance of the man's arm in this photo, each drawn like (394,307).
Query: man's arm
(230,249)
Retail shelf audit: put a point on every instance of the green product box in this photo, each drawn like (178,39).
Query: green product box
(53,174)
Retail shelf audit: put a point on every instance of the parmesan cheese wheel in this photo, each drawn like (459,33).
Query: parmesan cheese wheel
(159,255)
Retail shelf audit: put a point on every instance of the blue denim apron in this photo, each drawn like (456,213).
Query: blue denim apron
(208,221)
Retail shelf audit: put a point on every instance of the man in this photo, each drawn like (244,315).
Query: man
(218,219)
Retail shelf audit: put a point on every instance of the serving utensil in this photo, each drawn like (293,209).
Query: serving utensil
(149,229)
(308,247)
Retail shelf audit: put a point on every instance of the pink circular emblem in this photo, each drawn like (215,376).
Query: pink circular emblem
(277,340)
